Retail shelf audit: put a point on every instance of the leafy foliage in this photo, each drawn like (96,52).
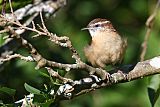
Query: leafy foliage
(8,91)
(31,89)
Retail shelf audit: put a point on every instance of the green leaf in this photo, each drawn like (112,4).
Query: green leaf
(8,91)
(44,74)
(1,39)
(154,89)
(31,89)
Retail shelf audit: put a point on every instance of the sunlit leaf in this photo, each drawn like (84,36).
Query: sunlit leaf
(31,89)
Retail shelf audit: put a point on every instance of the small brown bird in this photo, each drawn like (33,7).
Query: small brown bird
(107,46)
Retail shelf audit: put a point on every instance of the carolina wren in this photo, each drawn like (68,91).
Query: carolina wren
(107,46)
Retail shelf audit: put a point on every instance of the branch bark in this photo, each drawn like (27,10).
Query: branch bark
(85,85)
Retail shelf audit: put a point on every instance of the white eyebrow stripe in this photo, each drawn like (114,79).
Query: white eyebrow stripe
(100,23)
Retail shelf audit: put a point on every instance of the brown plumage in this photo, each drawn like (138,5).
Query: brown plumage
(107,46)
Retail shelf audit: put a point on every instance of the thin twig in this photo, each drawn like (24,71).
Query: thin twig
(9,57)
(149,25)
(43,25)
(3,31)
(14,16)
(3,7)
(56,75)
(10,4)
(33,25)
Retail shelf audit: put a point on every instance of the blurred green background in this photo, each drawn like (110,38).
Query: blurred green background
(127,16)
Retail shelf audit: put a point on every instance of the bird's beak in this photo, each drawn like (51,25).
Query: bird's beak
(85,28)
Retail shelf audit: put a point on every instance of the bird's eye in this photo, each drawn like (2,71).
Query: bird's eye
(97,25)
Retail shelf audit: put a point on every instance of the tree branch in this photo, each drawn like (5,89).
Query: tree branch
(29,12)
(76,88)
(149,25)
